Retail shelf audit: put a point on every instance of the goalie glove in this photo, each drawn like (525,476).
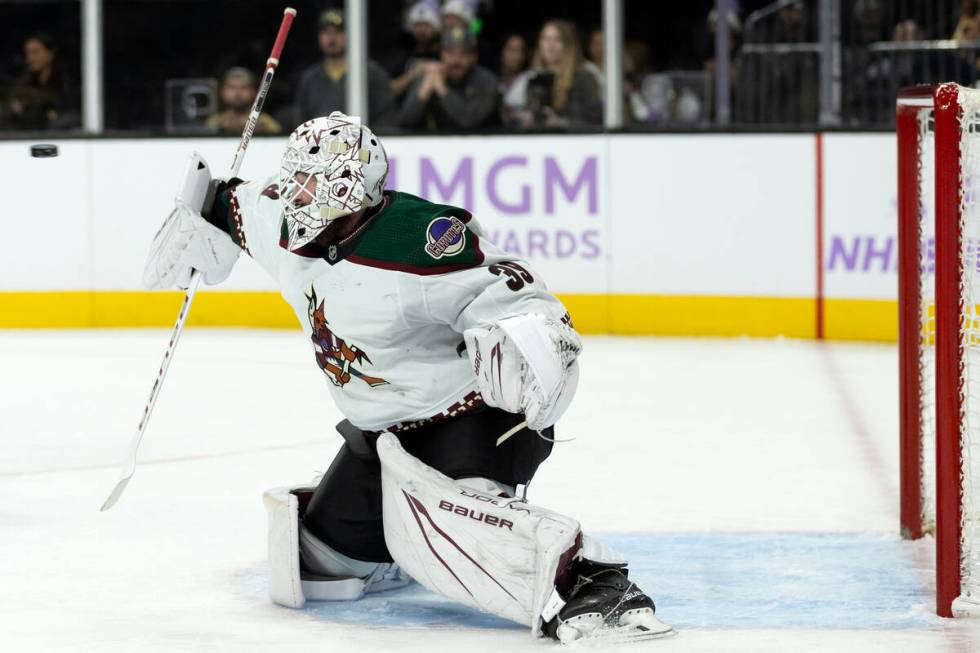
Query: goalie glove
(526,364)
(186,241)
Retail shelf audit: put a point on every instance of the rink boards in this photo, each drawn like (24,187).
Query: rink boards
(639,234)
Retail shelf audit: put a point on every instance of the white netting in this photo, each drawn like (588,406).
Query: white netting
(927,314)
(970,342)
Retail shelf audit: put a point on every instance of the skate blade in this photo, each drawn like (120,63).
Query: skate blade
(634,626)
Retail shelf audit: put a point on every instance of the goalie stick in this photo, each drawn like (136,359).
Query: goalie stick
(129,466)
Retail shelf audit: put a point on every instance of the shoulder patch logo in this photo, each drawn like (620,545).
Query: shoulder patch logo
(445,236)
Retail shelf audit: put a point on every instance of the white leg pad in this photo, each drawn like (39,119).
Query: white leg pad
(499,555)
(349,579)
(285,585)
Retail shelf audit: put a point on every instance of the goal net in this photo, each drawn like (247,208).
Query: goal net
(939,333)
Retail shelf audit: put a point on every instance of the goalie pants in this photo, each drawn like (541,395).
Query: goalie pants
(345,510)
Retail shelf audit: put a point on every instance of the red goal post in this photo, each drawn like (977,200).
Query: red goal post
(938,130)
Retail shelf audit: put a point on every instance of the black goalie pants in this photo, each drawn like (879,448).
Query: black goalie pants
(345,510)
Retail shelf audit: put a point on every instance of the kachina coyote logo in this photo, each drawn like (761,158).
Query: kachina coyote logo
(334,356)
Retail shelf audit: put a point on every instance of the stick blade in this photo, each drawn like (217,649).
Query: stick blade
(116,493)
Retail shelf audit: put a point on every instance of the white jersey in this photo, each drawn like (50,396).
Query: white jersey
(385,309)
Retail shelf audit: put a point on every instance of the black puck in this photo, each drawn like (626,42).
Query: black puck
(44,150)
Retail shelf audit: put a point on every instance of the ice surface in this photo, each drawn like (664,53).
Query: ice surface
(752,483)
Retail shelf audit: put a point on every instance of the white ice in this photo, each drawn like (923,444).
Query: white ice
(707,458)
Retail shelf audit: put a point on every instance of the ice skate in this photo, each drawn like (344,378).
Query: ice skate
(604,605)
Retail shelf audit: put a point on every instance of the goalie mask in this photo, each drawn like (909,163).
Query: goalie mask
(332,167)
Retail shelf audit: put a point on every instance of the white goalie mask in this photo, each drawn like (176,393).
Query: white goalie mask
(332,167)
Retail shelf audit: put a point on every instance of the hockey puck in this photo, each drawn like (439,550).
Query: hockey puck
(44,150)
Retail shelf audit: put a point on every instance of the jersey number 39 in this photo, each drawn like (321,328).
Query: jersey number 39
(517,275)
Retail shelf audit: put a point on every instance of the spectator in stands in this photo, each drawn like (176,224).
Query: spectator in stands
(792,20)
(636,70)
(455,94)
(513,61)
(596,50)
(458,13)
(910,67)
(237,92)
(966,62)
(907,30)
(424,23)
(877,76)
(322,86)
(869,22)
(636,66)
(594,61)
(789,27)
(557,92)
(42,97)
(795,74)
(967,31)
(968,26)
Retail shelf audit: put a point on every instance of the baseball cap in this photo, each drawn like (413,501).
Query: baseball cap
(332,18)
(459,8)
(458,36)
(423,12)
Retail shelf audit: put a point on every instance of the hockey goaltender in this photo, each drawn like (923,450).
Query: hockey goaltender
(451,362)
